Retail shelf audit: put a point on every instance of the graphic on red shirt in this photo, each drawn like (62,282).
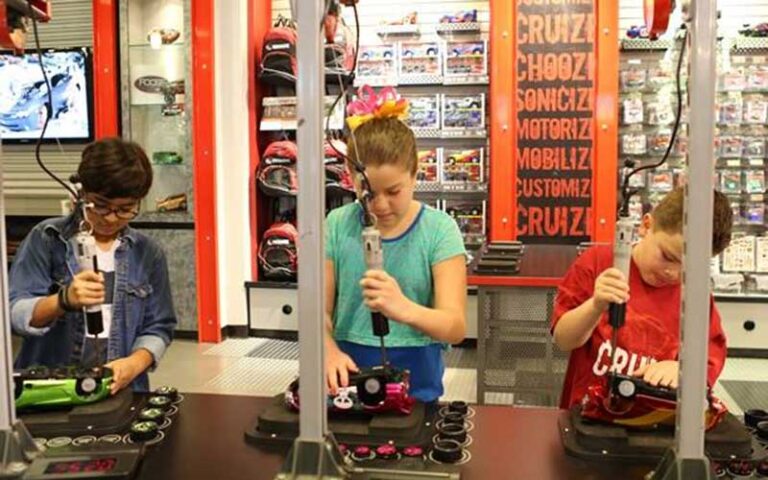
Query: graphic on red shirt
(651,332)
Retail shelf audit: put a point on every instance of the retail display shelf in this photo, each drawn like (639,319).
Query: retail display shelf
(458,27)
(750,43)
(410,29)
(645,44)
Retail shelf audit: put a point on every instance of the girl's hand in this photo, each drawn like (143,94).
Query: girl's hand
(382,294)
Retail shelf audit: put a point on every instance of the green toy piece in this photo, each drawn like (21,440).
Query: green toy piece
(41,387)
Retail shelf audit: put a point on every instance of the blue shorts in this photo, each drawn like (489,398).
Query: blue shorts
(425,364)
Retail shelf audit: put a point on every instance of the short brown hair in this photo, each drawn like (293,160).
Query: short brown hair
(384,141)
(668,217)
(115,168)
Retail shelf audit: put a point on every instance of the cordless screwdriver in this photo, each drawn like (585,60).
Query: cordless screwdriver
(374,260)
(88,260)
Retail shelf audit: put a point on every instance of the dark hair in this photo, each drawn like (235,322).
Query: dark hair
(668,217)
(115,168)
(384,141)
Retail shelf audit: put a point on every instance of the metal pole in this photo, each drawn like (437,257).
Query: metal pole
(7,411)
(697,229)
(311,213)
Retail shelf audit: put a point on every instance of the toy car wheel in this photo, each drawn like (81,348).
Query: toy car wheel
(18,386)
(87,385)
(431,51)
(144,431)
(372,391)
(626,389)
(387,54)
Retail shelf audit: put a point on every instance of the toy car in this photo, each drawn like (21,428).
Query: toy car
(468,16)
(42,387)
(371,390)
(420,50)
(172,203)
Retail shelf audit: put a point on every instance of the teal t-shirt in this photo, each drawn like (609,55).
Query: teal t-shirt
(432,237)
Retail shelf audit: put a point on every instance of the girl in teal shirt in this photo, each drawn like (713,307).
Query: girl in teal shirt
(422,288)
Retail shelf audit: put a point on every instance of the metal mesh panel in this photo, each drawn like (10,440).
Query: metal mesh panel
(516,352)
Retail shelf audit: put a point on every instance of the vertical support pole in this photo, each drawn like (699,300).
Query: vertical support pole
(7,413)
(311,213)
(698,232)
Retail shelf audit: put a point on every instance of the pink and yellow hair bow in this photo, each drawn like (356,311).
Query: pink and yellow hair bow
(367,105)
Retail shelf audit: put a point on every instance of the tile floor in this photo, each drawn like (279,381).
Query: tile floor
(263,367)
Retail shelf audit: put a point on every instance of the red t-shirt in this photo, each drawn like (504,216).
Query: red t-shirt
(651,332)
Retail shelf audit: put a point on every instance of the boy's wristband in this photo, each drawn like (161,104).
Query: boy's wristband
(64,299)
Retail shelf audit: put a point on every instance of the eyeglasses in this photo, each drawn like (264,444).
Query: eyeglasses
(124,212)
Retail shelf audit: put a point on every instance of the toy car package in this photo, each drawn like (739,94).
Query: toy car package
(428,166)
(730,146)
(757,77)
(466,58)
(377,62)
(633,79)
(633,109)
(755,110)
(420,59)
(755,181)
(469,215)
(659,112)
(734,80)
(761,255)
(740,255)
(637,180)
(659,78)
(633,144)
(731,109)
(464,111)
(681,144)
(754,147)
(463,166)
(423,111)
(662,180)
(755,213)
(730,181)
(659,141)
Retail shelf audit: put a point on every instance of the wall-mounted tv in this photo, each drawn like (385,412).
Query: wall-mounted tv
(24,96)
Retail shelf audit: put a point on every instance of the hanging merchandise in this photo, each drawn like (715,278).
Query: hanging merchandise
(734,80)
(633,109)
(424,111)
(740,255)
(420,59)
(376,65)
(278,55)
(428,166)
(463,111)
(761,255)
(470,217)
(755,110)
(462,166)
(660,111)
(337,177)
(755,181)
(633,144)
(730,181)
(757,77)
(633,79)
(730,146)
(276,174)
(278,258)
(659,141)
(731,109)
(754,147)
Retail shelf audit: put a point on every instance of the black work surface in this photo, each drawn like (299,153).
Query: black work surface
(207,442)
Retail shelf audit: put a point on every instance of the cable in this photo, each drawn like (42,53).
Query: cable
(355,162)
(49,108)
(625,192)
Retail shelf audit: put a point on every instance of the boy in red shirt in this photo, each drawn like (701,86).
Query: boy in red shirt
(649,342)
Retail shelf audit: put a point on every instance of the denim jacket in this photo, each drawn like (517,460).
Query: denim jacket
(142,312)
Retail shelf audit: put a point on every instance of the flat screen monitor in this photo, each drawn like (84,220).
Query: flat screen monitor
(24,96)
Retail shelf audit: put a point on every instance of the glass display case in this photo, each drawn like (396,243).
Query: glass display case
(156,109)
(156,103)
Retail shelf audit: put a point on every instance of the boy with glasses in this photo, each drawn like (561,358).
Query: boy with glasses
(48,291)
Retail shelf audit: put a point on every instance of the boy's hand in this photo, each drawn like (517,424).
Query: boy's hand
(659,374)
(610,287)
(382,294)
(126,369)
(337,367)
(86,288)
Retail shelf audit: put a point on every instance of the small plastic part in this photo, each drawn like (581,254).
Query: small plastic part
(157,401)
(386,452)
(447,451)
(458,406)
(166,391)
(413,451)
(452,431)
(754,416)
(144,431)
